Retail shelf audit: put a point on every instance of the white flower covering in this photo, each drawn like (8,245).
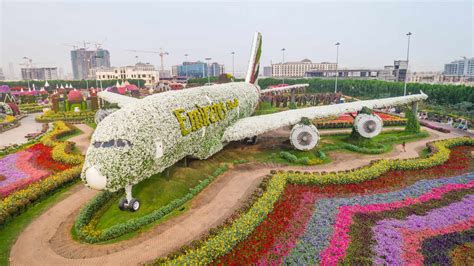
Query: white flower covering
(7,108)
(368,126)
(120,100)
(304,137)
(151,136)
(285,88)
(257,125)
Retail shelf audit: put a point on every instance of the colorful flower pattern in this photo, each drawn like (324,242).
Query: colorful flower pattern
(317,224)
(27,166)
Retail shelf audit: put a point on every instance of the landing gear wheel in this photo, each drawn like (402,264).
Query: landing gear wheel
(134,205)
(251,141)
(123,204)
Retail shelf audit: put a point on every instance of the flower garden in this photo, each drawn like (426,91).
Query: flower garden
(347,121)
(36,169)
(395,212)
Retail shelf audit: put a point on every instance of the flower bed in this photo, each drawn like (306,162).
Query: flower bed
(346,121)
(36,170)
(304,250)
(32,107)
(440,129)
(50,116)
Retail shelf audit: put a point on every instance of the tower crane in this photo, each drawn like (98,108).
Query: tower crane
(161,53)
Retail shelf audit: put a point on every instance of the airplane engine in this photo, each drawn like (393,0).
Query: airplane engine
(304,137)
(102,113)
(368,126)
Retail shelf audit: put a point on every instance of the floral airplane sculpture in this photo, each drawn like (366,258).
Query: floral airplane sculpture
(148,135)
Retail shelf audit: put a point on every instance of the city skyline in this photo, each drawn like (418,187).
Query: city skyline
(228,27)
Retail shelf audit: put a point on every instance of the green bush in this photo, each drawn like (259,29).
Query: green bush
(293,159)
(412,122)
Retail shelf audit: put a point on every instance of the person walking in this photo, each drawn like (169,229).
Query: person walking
(403,146)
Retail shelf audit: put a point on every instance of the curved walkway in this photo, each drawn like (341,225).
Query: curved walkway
(47,240)
(17,135)
(82,141)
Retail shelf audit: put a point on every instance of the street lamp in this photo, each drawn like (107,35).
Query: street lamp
(208,76)
(186,65)
(337,64)
(233,69)
(406,74)
(282,64)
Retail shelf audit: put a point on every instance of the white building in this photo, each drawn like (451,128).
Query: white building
(143,71)
(298,69)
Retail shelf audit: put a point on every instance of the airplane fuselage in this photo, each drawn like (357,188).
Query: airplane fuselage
(154,133)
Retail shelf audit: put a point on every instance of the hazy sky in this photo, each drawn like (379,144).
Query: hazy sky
(372,34)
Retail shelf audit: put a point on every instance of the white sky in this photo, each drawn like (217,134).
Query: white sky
(372,33)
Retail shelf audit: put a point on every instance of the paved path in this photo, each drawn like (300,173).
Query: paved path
(47,240)
(17,135)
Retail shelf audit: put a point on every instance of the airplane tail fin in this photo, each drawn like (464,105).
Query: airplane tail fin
(254,61)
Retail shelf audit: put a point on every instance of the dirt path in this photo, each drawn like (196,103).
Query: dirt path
(83,140)
(47,240)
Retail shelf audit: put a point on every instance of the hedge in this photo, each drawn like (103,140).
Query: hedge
(228,237)
(86,232)
(50,116)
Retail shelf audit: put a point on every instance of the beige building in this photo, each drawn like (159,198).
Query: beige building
(143,71)
(426,77)
(298,69)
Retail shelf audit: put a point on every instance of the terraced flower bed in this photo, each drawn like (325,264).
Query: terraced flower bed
(336,223)
(382,213)
(34,171)
(27,166)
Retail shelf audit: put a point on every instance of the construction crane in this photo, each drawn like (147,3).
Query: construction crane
(98,45)
(74,46)
(161,53)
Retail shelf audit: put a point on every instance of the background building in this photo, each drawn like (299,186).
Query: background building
(395,72)
(198,69)
(267,71)
(216,69)
(344,73)
(460,68)
(143,71)
(299,69)
(426,77)
(2,76)
(39,73)
(84,60)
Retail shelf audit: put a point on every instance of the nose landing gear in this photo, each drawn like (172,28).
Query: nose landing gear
(129,203)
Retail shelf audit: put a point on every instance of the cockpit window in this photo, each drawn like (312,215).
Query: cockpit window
(108,144)
(119,143)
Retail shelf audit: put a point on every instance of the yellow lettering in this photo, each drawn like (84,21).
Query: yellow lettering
(181,121)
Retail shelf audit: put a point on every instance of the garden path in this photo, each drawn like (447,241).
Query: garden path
(17,135)
(82,141)
(47,240)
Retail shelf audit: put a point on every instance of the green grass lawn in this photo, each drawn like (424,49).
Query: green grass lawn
(386,139)
(10,231)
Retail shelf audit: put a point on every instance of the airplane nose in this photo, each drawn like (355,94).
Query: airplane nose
(95,179)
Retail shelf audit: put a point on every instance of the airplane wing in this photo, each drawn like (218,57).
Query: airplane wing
(112,97)
(285,88)
(256,125)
